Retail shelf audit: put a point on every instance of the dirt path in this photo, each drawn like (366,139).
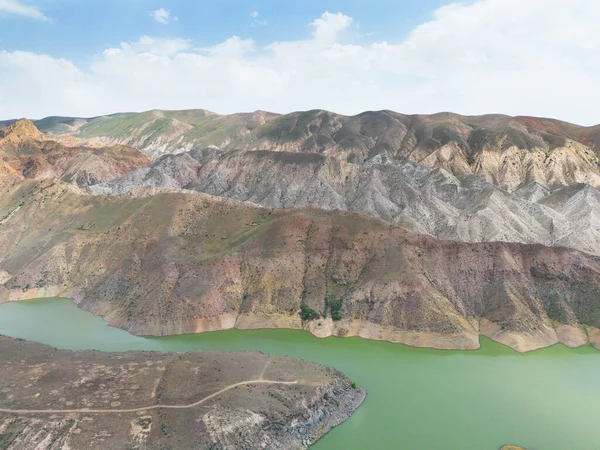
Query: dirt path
(262,374)
(143,408)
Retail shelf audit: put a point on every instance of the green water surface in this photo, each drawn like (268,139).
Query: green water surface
(417,398)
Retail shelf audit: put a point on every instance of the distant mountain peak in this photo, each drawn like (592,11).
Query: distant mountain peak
(27,152)
(22,128)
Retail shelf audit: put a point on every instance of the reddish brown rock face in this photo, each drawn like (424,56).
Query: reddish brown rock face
(27,152)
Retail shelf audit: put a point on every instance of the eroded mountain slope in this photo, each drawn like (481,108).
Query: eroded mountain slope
(183,263)
(465,208)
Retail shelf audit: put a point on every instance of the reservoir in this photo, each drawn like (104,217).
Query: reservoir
(417,398)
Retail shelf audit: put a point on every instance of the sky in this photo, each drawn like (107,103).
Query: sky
(93,57)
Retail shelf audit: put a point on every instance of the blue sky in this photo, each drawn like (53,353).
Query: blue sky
(80,28)
(93,57)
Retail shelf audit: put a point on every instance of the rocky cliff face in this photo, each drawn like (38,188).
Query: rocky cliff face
(509,152)
(297,405)
(181,263)
(431,201)
(26,152)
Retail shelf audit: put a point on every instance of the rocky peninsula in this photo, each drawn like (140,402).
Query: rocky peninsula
(56,399)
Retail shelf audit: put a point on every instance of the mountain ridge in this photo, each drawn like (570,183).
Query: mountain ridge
(510,152)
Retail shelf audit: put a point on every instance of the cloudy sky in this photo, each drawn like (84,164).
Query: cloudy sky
(92,57)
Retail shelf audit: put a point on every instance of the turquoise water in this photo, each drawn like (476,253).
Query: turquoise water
(417,398)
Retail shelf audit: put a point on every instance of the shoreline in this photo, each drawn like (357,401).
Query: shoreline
(413,339)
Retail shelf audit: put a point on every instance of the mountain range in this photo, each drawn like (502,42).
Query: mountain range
(426,230)
(509,152)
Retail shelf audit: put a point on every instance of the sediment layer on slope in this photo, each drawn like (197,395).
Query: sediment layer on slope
(26,152)
(184,263)
(510,152)
(432,201)
(301,402)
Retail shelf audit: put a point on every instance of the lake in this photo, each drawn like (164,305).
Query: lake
(417,398)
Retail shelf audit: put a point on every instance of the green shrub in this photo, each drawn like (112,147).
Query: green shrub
(307,313)
(335,308)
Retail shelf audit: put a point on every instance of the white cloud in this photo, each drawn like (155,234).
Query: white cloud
(163,16)
(153,46)
(16,7)
(234,47)
(256,20)
(328,27)
(539,57)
